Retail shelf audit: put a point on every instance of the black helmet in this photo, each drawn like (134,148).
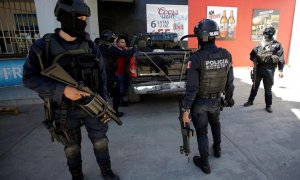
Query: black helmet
(108,35)
(72,7)
(206,28)
(269,31)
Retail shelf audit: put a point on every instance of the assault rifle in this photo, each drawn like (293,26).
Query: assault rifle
(186,131)
(94,104)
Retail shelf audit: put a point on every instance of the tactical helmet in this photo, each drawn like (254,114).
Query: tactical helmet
(108,35)
(269,31)
(72,7)
(206,29)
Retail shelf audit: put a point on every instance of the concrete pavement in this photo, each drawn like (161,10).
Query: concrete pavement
(255,144)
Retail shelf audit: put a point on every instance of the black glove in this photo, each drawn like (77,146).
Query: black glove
(230,102)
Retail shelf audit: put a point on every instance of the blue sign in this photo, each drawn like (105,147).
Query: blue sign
(11,71)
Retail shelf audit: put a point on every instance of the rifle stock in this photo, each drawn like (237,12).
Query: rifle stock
(96,105)
(186,131)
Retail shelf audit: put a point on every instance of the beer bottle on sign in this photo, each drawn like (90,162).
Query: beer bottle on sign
(223,25)
(231,23)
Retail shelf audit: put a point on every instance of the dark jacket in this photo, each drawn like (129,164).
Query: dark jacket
(193,74)
(49,88)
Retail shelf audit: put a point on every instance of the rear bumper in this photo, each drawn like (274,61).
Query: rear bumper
(159,88)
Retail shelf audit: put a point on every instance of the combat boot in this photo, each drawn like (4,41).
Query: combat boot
(202,163)
(248,103)
(77,173)
(217,151)
(269,109)
(107,173)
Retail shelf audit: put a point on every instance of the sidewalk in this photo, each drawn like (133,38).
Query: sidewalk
(256,145)
(18,95)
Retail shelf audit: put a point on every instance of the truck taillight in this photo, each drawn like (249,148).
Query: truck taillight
(132,68)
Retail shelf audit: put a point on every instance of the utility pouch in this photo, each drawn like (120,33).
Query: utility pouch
(275,59)
(56,134)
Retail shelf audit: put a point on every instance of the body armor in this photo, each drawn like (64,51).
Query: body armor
(267,53)
(213,75)
(110,64)
(80,63)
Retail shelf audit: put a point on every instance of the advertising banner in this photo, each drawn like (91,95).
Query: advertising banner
(262,19)
(11,72)
(226,18)
(167,18)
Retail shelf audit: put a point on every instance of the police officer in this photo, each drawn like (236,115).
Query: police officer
(209,73)
(110,54)
(267,55)
(87,67)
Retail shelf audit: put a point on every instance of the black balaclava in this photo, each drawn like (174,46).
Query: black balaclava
(72,25)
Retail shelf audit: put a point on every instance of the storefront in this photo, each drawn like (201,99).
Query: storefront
(241,22)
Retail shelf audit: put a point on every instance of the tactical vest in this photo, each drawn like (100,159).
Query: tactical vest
(213,72)
(80,62)
(264,53)
(110,63)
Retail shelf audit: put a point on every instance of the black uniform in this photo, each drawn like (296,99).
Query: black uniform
(267,57)
(209,74)
(87,68)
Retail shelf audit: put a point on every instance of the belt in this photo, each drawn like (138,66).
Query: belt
(210,96)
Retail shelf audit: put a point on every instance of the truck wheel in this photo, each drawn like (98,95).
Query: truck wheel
(132,97)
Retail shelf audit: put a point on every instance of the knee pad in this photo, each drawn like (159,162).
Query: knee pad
(72,151)
(101,145)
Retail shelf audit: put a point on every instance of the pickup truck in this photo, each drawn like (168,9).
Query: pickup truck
(158,66)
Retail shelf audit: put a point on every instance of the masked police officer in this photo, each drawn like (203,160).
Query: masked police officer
(87,67)
(266,55)
(110,54)
(209,73)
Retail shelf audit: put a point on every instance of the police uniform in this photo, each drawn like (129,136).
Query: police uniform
(267,56)
(87,67)
(209,74)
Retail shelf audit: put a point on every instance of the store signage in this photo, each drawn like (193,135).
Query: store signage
(167,18)
(11,72)
(226,18)
(261,19)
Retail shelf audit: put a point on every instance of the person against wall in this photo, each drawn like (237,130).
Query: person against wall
(266,56)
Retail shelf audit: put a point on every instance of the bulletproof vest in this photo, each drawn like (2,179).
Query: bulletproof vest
(80,62)
(265,52)
(213,72)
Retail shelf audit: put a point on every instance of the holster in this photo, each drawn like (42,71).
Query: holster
(58,134)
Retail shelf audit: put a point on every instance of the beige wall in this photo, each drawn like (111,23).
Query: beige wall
(10,7)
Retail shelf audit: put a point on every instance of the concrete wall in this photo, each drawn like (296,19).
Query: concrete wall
(294,58)
(45,15)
